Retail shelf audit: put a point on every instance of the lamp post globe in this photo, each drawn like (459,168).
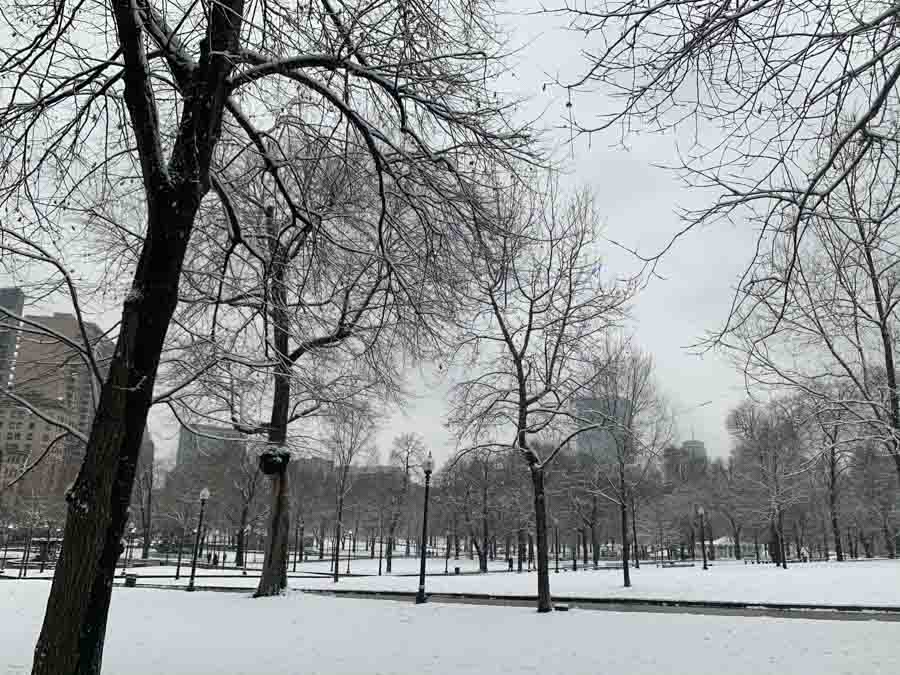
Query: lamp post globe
(427,467)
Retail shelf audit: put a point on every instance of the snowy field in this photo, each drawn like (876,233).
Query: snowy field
(870,582)
(152,632)
(864,582)
(875,582)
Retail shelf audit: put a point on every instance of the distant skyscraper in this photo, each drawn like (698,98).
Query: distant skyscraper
(12,299)
(49,369)
(205,441)
(684,463)
(696,450)
(607,441)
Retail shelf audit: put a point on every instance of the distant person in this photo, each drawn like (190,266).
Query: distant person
(208,558)
(215,561)
(224,559)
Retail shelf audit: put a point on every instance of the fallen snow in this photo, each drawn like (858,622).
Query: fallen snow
(152,632)
(864,582)
(875,582)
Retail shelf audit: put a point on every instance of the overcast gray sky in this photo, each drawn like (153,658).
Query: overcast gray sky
(638,202)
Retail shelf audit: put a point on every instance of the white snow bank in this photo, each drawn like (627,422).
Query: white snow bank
(176,633)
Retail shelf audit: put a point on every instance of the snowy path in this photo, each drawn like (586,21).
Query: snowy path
(154,632)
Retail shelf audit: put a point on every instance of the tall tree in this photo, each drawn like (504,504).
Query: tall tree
(538,303)
(633,426)
(182,77)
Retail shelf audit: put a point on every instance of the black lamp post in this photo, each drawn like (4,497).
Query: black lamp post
(702,512)
(349,549)
(247,531)
(557,548)
(180,547)
(427,466)
(204,495)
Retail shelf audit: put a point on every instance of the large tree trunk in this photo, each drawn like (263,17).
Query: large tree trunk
(623,512)
(736,536)
(637,554)
(833,506)
(72,635)
(273,579)
(626,575)
(544,603)
(240,551)
(337,533)
(584,547)
(274,461)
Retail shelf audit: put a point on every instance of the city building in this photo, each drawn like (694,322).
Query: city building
(27,437)
(12,299)
(206,441)
(610,439)
(50,368)
(685,462)
(695,450)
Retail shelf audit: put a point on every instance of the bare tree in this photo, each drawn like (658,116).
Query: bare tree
(634,425)
(772,459)
(764,126)
(407,453)
(183,77)
(538,303)
(349,441)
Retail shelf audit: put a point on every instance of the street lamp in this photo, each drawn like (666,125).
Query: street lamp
(349,549)
(702,512)
(131,533)
(247,531)
(428,467)
(204,495)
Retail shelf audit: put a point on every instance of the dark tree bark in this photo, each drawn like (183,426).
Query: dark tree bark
(337,535)
(584,547)
(833,504)
(240,551)
(637,554)
(736,536)
(540,524)
(74,628)
(520,549)
(485,540)
(274,460)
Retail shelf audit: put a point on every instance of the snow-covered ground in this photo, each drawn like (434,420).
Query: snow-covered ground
(152,632)
(874,582)
(870,582)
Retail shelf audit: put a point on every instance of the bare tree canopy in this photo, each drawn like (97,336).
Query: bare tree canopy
(149,106)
